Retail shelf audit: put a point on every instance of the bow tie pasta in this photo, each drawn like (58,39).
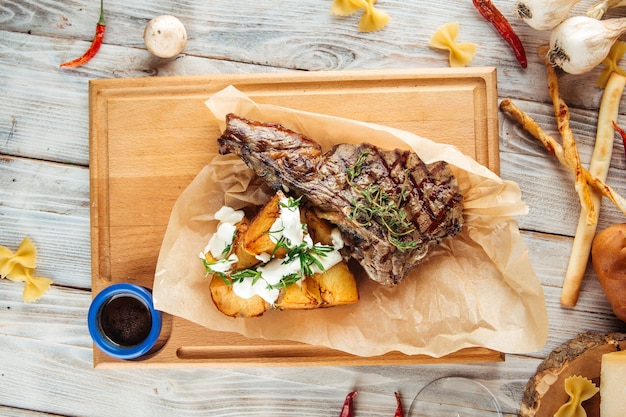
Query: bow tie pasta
(20,266)
(461,54)
(579,389)
(372,19)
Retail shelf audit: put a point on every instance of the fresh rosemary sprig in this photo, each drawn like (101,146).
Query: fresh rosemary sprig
(355,170)
(374,205)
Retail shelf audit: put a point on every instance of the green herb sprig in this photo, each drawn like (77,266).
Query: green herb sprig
(374,205)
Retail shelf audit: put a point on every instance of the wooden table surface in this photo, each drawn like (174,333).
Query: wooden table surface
(45,350)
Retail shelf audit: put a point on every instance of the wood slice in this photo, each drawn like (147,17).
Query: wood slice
(545,392)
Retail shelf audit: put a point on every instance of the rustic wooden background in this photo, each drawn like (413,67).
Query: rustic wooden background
(45,349)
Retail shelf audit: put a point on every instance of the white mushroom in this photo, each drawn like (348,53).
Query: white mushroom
(165,36)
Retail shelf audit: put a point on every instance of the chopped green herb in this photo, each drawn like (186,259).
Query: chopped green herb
(210,266)
(286,281)
(238,276)
(308,257)
(291,203)
(227,248)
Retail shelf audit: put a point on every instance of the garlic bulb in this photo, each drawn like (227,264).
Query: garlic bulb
(543,14)
(580,43)
(599,9)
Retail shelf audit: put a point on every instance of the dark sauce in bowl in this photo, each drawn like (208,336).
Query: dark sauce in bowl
(125,320)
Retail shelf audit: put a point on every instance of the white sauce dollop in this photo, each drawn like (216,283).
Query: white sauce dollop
(225,233)
(288,225)
(248,288)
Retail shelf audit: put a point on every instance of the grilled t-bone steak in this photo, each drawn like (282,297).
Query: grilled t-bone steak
(389,206)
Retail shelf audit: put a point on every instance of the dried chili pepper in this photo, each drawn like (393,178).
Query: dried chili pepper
(95,44)
(491,13)
(399,412)
(621,133)
(346,410)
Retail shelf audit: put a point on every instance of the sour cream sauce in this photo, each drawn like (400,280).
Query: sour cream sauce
(225,233)
(286,227)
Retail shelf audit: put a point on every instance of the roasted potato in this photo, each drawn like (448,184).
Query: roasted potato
(319,229)
(257,239)
(299,297)
(231,304)
(245,259)
(337,285)
(333,287)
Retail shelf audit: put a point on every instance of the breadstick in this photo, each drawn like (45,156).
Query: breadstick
(555,148)
(561,112)
(599,168)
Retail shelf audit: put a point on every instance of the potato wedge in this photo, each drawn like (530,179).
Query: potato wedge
(319,229)
(245,259)
(337,285)
(257,239)
(300,297)
(231,304)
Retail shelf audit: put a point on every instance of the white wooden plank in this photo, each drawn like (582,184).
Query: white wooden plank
(59,318)
(49,203)
(251,32)
(17,412)
(61,95)
(44,111)
(57,382)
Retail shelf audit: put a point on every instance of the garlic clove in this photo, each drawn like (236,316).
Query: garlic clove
(543,14)
(580,43)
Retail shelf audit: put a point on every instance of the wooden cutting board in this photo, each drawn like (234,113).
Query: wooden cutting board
(148,140)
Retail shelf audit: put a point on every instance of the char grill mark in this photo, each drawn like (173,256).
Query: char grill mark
(425,197)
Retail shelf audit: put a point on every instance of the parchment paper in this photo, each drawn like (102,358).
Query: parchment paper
(475,290)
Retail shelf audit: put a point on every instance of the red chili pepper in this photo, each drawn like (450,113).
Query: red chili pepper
(399,412)
(621,132)
(491,13)
(95,44)
(346,411)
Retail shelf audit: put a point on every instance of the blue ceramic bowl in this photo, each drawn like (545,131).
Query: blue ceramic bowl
(98,328)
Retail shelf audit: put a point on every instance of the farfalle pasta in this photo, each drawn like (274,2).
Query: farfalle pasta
(20,267)
(579,389)
(346,7)
(372,19)
(460,54)
(611,64)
